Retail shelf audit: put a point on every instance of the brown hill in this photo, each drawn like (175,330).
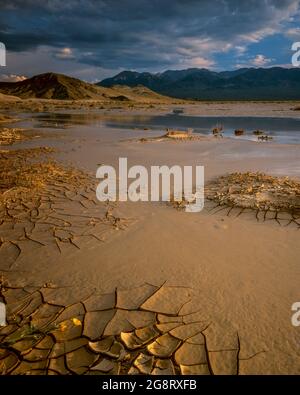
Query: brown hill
(141,93)
(53,86)
(61,87)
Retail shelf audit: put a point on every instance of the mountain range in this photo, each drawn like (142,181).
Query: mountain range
(274,83)
(197,84)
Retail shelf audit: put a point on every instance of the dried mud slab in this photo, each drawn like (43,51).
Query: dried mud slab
(46,337)
(258,195)
(265,196)
(175,136)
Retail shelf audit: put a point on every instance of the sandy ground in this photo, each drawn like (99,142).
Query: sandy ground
(267,109)
(247,108)
(252,109)
(244,274)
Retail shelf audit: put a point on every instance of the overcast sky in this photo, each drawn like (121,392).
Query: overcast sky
(96,39)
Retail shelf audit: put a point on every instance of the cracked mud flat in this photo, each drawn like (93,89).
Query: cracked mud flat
(144,330)
(44,203)
(63,254)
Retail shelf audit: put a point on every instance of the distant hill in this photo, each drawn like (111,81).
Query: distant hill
(275,83)
(140,93)
(53,86)
(62,87)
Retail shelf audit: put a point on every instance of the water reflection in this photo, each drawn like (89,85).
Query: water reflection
(283,130)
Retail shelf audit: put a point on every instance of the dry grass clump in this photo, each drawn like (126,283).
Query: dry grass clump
(9,136)
(256,191)
(178,204)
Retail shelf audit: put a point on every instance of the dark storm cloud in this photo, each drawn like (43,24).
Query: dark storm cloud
(140,33)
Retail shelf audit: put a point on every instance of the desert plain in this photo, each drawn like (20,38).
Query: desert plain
(144,287)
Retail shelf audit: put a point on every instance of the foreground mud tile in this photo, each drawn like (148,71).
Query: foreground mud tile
(35,303)
(29,368)
(146,334)
(95,323)
(36,355)
(17,305)
(195,370)
(45,315)
(167,327)
(191,354)
(9,253)
(103,345)
(15,296)
(116,351)
(8,330)
(78,361)
(66,330)
(130,340)
(197,339)
(109,347)
(196,316)
(224,362)
(133,371)
(144,363)
(58,365)
(163,367)
(100,302)
(139,337)
(106,366)
(163,346)
(3,353)
(24,346)
(132,299)
(221,337)
(184,332)
(8,363)
(125,321)
(64,296)
(60,349)
(168,300)
(169,319)
(74,311)
(45,344)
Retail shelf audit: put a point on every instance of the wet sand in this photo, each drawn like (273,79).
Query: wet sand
(243,274)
